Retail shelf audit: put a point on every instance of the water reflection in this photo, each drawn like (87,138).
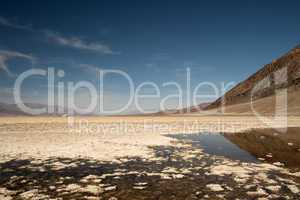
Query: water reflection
(270,145)
(217,144)
(262,144)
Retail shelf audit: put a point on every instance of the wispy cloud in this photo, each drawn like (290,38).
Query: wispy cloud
(6,22)
(6,55)
(89,68)
(77,43)
(59,39)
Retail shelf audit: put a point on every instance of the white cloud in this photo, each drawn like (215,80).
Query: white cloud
(77,43)
(6,55)
(5,22)
(57,38)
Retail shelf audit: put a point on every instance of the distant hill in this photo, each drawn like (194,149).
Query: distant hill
(261,87)
(13,109)
(192,109)
(10,110)
(258,91)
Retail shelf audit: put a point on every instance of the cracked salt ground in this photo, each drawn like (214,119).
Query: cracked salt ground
(179,171)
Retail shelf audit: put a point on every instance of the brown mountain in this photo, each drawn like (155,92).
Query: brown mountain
(192,109)
(10,110)
(13,110)
(262,88)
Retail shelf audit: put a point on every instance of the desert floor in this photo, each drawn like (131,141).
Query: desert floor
(136,158)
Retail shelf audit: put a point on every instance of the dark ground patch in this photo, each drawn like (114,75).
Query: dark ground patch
(25,175)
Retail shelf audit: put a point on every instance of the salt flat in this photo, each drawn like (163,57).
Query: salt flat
(132,158)
(106,138)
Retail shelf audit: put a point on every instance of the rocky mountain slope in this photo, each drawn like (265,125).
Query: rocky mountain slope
(261,87)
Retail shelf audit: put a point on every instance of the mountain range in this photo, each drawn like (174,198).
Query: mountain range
(260,92)
(263,91)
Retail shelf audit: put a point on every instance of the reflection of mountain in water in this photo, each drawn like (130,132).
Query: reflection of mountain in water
(216,144)
(282,147)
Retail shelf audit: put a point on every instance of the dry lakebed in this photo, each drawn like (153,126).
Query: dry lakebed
(193,157)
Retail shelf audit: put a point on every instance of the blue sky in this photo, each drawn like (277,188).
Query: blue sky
(150,40)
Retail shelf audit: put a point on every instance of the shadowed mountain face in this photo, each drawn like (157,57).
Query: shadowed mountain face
(270,145)
(283,73)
